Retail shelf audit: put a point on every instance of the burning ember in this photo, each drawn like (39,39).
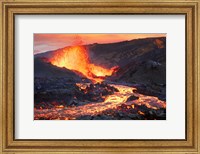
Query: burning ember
(76,58)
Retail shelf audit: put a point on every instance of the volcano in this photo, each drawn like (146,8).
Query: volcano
(76,58)
(123,80)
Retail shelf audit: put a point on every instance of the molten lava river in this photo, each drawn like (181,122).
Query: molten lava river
(111,102)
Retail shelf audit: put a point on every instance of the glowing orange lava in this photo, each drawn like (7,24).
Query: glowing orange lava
(110,102)
(76,58)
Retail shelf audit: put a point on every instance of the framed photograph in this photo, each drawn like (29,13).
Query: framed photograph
(105,79)
(99,76)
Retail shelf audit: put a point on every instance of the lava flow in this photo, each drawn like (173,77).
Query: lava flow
(76,58)
(111,102)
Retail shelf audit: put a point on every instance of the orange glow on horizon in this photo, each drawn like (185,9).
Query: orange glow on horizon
(47,42)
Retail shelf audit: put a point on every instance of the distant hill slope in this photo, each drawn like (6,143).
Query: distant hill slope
(124,52)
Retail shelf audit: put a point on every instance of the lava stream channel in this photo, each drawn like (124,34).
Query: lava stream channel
(111,102)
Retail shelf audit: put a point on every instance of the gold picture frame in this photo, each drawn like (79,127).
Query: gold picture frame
(189,8)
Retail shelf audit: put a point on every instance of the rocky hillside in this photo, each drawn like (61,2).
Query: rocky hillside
(43,69)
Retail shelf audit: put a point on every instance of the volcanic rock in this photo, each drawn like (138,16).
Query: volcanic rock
(85,117)
(132,98)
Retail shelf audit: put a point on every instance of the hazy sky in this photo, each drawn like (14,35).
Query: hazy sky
(47,42)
